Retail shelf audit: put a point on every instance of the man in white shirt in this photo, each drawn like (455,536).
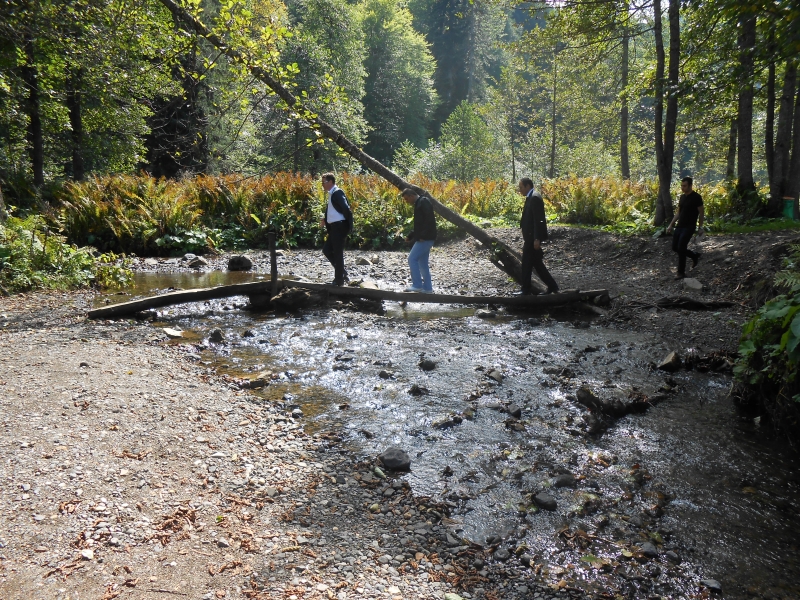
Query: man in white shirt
(338,220)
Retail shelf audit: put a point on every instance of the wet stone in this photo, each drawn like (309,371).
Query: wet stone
(649,550)
(545,501)
(671,363)
(502,554)
(240,263)
(564,480)
(216,337)
(514,410)
(427,364)
(712,584)
(396,459)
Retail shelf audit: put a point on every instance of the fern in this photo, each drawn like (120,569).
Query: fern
(789,276)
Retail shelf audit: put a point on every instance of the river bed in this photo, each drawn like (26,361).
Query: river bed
(690,476)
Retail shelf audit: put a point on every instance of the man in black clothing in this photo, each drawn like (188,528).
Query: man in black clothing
(690,209)
(338,220)
(424,236)
(534,232)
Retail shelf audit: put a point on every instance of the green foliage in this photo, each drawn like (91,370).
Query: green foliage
(769,358)
(600,201)
(34,257)
(789,275)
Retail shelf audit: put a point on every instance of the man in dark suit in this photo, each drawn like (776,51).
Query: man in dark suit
(338,220)
(534,232)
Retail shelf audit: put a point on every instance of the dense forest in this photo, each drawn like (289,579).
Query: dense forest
(449,89)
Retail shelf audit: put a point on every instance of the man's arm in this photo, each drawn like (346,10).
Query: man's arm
(674,219)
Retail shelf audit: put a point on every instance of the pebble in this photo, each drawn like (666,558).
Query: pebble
(712,584)
(395,459)
(545,501)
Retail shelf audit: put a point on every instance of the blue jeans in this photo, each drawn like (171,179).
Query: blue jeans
(418,262)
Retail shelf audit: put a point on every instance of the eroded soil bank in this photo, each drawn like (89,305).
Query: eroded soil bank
(142,450)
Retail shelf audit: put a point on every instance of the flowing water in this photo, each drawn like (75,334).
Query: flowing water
(690,475)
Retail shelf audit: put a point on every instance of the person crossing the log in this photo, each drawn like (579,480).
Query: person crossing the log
(338,220)
(424,236)
(534,232)
(690,209)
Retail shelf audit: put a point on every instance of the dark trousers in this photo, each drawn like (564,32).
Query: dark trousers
(334,250)
(533,259)
(680,244)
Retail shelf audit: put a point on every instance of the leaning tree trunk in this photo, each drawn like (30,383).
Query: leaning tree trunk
(503,256)
(779,181)
(747,42)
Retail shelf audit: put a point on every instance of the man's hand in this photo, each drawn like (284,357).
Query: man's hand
(669,229)
(537,245)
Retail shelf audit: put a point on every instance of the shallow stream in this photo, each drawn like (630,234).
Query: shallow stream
(691,475)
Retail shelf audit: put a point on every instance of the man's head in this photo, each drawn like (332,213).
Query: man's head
(525,186)
(686,185)
(328,181)
(409,195)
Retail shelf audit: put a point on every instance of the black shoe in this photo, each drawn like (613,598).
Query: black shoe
(523,293)
(336,283)
(553,291)
(695,259)
(546,293)
(680,276)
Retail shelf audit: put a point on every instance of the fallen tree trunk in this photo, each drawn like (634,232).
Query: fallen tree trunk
(261,290)
(503,256)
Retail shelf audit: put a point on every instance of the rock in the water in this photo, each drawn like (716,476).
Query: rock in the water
(240,262)
(587,397)
(385,374)
(502,554)
(545,501)
(514,410)
(712,584)
(649,550)
(198,262)
(216,337)
(671,363)
(293,299)
(396,459)
(673,557)
(690,283)
(564,480)
(427,364)
(482,313)
(448,422)
(172,333)
(365,262)
(495,374)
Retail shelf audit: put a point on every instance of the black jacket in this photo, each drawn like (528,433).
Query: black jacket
(424,220)
(339,202)
(533,222)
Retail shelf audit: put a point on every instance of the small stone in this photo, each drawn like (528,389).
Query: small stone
(393,589)
(375,508)
(151,262)
(565,480)
(671,363)
(713,585)
(502,554)
(482,313)
(673,557)
(271,492)
(385,374)
(396,459)
(218,455)
(545,501)
(364,262)
(87,554)
(198,262)
(223,543)
(496,375)
(427,364)
(649,550)
(690,283)
(340,479)
(240,262)
(388,492)
(526,559)
(452,596)
(172,333)
(514,410)
(216,337)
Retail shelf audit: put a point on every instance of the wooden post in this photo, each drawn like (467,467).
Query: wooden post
(273,264)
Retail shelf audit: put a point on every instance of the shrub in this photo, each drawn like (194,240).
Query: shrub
(32,256)
(599,200)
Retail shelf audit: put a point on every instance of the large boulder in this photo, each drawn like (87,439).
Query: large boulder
(240,262)
(396,459)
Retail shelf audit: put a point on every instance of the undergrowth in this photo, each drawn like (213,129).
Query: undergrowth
(32,256)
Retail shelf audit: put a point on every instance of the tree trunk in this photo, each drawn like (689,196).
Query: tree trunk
(553,118)
(513,150)
(779,181)
(794,166)
(747,42)
(74,84)
(625,166)
(769,126)
(30,76)
(503,256)
(665,131)
(730,171)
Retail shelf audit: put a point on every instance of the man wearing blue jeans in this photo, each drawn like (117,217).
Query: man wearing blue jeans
(690,209)
(424,236)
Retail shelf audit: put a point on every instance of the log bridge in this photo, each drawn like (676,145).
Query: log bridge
(260,293)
